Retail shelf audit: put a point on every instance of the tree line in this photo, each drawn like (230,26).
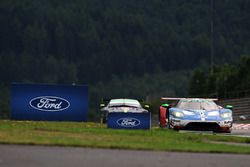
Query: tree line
(87,41)
(100,43)
(227,80)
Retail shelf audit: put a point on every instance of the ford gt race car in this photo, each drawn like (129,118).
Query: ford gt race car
(198,114)
(121,105)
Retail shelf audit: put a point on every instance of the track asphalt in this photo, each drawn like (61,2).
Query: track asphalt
(43,156)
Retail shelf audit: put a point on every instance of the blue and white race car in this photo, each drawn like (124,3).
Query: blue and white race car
(199,114)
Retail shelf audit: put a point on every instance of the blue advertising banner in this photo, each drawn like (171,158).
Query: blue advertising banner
(49,102)
(118,120)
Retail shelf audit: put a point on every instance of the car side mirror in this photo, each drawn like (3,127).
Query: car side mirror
(165,105)
(229,107)
(146,106)
(102,105)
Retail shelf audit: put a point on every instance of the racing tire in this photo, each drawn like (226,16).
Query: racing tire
(228,131)
(223,131)
(175,129)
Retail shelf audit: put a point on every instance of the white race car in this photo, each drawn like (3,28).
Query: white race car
(121,105)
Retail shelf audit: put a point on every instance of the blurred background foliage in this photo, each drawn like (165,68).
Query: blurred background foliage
(227,80)
(141,49)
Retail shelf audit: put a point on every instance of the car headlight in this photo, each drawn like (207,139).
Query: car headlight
(213,113)
(178,114)
(226,115)
(188,113)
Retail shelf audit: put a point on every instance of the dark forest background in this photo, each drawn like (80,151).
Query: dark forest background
(125,48)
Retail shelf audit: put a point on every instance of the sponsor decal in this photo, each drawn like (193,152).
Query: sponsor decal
(49,103)
(128,122)
(202,113)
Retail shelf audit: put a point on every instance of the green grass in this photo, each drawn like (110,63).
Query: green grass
(98,136)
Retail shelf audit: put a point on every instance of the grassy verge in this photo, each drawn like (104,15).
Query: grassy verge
(98,136)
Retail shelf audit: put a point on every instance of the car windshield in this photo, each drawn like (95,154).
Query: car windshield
(198,104)
(124,102)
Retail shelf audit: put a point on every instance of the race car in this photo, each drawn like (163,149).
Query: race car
(199,114)
(121,105)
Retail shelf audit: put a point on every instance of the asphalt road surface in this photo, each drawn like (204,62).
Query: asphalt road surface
(43,156)
(235,132)
(241,132)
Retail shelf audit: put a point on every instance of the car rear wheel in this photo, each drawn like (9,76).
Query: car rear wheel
(228,131)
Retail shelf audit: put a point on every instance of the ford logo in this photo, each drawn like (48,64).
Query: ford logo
(128,122)
(49,103)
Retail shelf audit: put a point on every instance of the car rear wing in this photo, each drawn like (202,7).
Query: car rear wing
(173,98)
(108,99)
